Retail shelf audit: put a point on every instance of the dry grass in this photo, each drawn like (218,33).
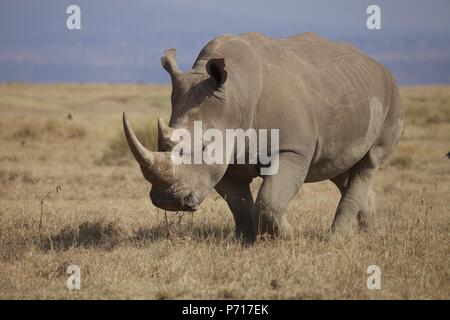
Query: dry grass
(118,152)
(102,220)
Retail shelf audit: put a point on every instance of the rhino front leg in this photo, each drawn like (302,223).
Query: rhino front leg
(239,198)
(275,194)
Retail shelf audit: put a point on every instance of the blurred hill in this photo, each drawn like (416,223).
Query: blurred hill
(123,41)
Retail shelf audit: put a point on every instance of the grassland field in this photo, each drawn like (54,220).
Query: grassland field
(70,193)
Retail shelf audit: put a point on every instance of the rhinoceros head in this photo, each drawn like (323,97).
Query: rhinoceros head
(197,95)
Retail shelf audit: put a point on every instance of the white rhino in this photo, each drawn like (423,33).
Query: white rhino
(338,112)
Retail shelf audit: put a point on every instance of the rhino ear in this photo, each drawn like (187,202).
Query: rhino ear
(168,61)
(216,69)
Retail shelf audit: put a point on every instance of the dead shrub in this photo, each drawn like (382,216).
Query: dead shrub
(118,152)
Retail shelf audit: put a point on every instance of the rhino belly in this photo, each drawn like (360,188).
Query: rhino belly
(345,138)
(335,163)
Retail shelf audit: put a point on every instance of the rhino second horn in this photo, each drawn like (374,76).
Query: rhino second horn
(163,130)
(143,156)
(164,136)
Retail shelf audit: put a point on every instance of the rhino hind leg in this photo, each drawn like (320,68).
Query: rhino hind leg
(356,209)
(341,182)
(366,216)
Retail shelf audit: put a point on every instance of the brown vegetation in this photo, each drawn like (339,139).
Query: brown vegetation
(102,220)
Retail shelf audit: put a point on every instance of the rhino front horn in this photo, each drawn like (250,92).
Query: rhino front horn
(143,156)
(156,166)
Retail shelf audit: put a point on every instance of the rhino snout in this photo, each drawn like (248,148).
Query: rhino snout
(191,201)
(171,201)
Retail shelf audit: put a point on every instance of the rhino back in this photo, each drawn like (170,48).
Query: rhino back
(328,98)
(340,73)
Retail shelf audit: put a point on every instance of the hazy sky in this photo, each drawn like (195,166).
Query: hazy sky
(418,14)
(19,16)
(123,40)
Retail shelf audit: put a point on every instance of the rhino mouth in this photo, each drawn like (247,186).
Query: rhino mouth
(173,202)
(158,169)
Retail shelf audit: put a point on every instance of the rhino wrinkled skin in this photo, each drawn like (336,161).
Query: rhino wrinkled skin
(338,112)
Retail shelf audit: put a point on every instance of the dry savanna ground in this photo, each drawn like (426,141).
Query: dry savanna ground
(71,194)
